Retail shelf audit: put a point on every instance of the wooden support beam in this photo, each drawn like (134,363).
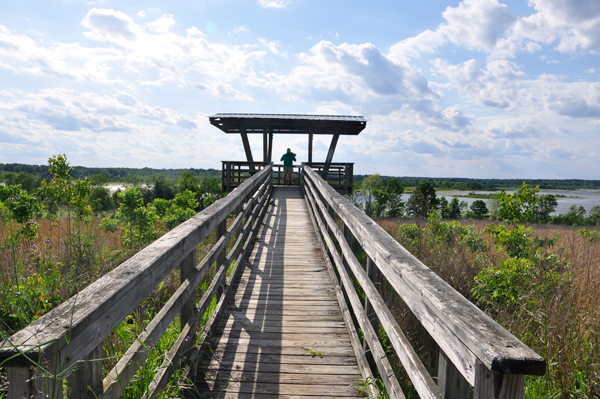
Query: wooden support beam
(334,141)
(450,381)
(269,159)
(247,148)
(265,145)
(310,147)
(332,146)
(86,381)
(186,267)
(490,385)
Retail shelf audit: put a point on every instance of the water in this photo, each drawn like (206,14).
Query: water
(584,197)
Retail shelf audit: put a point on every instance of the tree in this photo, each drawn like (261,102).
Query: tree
(100,199)
(519,206)
(455,208)
(545,206)
(479,209)
(422,200)
(367,186)
(395,204)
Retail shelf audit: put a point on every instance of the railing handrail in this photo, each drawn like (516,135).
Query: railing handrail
(81,323)
(467,336)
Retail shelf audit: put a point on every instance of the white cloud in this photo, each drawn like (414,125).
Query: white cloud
(272,46)
(141,14)
(495,87)
(162,25)
(574,23)
(273,3)
(110,26)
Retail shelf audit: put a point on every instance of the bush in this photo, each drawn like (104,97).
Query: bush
(100,199)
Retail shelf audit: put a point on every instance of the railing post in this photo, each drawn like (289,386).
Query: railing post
(87,379)
(375,277)
(450,381)
(187,265)
(221,229)
(490,385)
(33,382)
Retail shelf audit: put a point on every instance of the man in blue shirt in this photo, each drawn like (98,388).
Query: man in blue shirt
(288,166)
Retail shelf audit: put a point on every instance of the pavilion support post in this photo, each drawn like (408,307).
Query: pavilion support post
(269,159)
(334,141)
(310,146)
(247,150)
(265,145)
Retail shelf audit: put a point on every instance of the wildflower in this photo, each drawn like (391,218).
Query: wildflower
(48,240)
(237,366)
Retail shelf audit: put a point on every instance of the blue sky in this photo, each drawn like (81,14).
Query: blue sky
(476,88)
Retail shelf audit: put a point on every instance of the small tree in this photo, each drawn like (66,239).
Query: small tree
(546,204)
(395,204)
(367,187)
(520,206)
(479,209)
(422,200)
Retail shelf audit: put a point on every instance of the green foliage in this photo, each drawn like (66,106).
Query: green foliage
(368,187)
(138,221)
(181,208)
(449,233)
(19,206)
(515,240)
(505,285)
(575,216)
(545,206)
(110,225)
(422,200)
(518,207)
(395,206)
(590,235)
(479,209)
(26,181)
(100,199)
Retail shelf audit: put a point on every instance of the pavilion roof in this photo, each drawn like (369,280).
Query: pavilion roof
(288,123)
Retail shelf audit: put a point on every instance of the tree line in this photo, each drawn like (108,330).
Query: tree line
(459,183)
(383,198)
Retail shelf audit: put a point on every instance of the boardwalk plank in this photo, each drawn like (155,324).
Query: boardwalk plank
(284,313)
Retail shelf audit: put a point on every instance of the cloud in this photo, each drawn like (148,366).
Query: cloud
(575,24)
(110,26)
(495,87)
(141,14)
(273,3)
(163,25)
(424,147)
(272,46)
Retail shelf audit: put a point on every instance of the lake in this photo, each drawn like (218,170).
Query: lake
(584,197)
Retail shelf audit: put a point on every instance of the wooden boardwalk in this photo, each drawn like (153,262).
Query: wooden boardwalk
(284,336)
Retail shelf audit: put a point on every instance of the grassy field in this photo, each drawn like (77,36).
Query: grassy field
(541,282)
(545,289)
(37,275)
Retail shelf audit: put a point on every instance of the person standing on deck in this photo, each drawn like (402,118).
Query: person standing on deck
(288,166)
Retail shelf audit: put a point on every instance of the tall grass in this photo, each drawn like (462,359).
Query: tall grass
(552,304)
(39,274)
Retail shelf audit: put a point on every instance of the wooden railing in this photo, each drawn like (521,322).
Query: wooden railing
(474,350)
(67,342)
(338,175)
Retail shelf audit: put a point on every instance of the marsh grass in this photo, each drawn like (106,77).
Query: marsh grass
(556,308)
(39,274)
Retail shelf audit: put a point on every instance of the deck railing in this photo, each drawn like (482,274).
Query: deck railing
(474,350)
(338,175)
(67,342)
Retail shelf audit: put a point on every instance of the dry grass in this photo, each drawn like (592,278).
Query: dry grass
(561,323)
